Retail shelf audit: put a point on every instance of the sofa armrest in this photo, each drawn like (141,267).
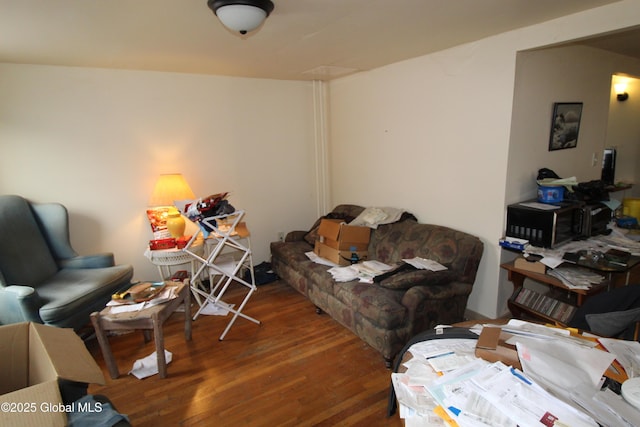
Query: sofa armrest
(102,260)
(420,293)
(295,236)
(428,306)
(19,304)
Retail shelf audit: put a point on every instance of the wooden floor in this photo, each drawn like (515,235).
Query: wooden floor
(297,368)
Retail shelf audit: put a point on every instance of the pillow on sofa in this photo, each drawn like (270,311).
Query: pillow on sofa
(312,235)
(410,279)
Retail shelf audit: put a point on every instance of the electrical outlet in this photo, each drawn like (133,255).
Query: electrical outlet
(281,236)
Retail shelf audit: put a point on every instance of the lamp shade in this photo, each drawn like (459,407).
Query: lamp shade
(241,16)
(170,187)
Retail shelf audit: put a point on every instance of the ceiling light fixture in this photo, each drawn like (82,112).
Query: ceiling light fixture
(241,16)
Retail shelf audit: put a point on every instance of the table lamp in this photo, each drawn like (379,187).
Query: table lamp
(168,189)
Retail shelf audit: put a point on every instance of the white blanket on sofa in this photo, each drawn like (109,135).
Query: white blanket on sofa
(373,217)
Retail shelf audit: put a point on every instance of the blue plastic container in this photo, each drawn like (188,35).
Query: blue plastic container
(547,194)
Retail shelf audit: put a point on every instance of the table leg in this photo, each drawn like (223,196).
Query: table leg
(187,311)
(104,345)
(159,339)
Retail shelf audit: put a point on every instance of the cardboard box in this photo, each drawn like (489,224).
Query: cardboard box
(33,359)
(536,267)
(337,256)
(337,240)
(336,234)
(492,346)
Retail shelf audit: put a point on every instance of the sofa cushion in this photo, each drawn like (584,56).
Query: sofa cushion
(406,280)
(380,305)
(70,290)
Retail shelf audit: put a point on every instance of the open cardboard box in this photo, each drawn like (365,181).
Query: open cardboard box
(34,358)
(336,241)
(336,234)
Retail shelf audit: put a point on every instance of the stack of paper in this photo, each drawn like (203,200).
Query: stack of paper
(560,384)
(576,278)
(364,271)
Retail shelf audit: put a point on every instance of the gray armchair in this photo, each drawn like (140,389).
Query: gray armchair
(42,279)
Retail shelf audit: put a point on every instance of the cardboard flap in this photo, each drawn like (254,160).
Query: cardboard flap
(492,346)
(38,398)
(489,338)
(354,233)
(338,230)
(330,228)
(68,354)
(14,354)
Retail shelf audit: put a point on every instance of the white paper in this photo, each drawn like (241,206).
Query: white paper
(125,308)
(167,294)
(148,366)
(216,309)
(319,260)
(539,205)
(564,364)
(626,352)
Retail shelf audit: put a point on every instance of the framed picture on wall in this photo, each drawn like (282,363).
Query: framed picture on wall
(565,125)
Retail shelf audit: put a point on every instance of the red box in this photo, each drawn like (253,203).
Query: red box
(162,244)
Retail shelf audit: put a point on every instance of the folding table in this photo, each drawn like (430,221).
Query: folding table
(225,238)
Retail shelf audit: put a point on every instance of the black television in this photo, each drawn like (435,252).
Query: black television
(609,166)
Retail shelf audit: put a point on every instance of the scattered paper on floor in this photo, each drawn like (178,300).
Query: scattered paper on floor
(145,367)
(216,309)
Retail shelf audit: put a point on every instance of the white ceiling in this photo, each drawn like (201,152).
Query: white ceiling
(301,40)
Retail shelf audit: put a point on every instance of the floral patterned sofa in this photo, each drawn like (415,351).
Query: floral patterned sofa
(387,314)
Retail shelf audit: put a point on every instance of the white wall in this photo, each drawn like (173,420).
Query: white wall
(96,140)
(623,131)
(432,134)
(429,135)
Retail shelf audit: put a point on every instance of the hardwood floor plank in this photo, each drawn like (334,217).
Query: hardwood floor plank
(296,368)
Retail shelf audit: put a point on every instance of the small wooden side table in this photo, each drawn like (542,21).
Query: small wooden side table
(148,319)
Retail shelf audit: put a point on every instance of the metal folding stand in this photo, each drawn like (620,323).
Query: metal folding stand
(225,238)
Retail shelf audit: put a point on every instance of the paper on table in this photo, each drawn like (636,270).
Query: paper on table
(448,361)
(167,294)
(626,352)
(563,364)
(126,308)
(528,403)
